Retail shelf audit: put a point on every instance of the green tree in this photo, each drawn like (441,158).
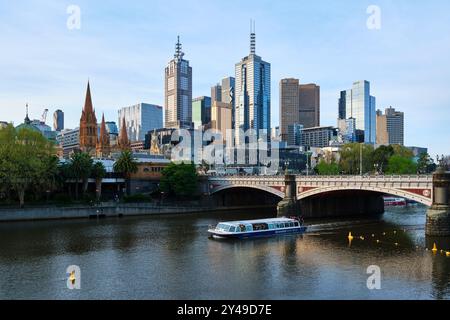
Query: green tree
(381,157)
(425,164)
(98,173)
(126,165)
(402,151)
(401,165)
(27,161)
(179,180)
(328,169)
(81,166)
(351,158)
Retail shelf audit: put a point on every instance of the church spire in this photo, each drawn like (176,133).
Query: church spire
(88,102)
(124,143)
(103,143)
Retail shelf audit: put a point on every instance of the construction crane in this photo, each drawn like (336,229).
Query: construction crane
(44,116)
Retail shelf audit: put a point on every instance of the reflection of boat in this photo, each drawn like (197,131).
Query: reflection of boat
(394,202)
(257,228)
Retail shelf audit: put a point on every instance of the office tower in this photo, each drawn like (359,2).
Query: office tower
(216,93)
(252,94)
(221,118)
(390,127)
(309,105)
(360,105)
(228,85)
(140,119)
(294,134)
(113,132)
(201,111)
(88,125)
(69,141)
(342,106)
(58,120)
(318,137)
(289,105)
(178,91)
(347,130)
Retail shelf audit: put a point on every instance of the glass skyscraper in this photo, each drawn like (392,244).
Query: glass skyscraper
(360,105)
(201,111)
(140,119)
(252,94)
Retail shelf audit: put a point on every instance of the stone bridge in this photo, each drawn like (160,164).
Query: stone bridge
(418,188)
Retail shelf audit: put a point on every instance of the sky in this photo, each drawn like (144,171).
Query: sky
(122,47)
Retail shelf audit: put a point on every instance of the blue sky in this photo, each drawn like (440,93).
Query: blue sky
(123,47)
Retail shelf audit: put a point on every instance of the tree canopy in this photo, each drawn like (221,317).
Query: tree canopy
(179,180)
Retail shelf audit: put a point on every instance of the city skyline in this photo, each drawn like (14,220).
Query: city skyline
(406,69)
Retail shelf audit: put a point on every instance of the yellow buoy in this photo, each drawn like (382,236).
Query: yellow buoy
(72,277)
(447,253)
(434,248)
(350,237)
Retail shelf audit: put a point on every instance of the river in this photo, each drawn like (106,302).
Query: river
(171,257)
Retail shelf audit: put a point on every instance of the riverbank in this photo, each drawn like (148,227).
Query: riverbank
(107,211)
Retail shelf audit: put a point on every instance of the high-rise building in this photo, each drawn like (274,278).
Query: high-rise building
(390,127)
(228,85)
(140,119)
(294,134)
(88,125)
(347,130)
(58,120)
(309,105)
(318,137)
(201,111)
(113,132)
(216,93)
(178,91)
(299,104)
(342,106)
(289,105)
(68,140)
(221,116)
(360,105)
(252,94)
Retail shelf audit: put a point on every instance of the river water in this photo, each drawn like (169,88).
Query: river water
(172,257)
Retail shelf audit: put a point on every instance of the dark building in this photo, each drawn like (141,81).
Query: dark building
(342,106)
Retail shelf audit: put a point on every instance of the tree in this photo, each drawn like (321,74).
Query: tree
(179,180)
(351,158)
(401,165)
(328,169)
(81,167)
(98,173)
(27,161)
(402,151)
(126,165)
(381,157)
(425,164)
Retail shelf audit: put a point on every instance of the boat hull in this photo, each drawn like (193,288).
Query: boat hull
(257,234)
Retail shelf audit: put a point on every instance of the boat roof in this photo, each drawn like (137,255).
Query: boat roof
(259,221)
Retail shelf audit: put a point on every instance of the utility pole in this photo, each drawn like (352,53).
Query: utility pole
(360,160)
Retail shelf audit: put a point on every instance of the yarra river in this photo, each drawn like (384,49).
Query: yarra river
(172,257)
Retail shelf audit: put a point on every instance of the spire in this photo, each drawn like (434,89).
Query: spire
(124,143)
(178,50)
(252,37)
(27,119)
(88,103)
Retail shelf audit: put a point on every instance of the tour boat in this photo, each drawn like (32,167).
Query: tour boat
(257,228)
(394,202)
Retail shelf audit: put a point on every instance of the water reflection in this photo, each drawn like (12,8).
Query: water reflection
(172,258)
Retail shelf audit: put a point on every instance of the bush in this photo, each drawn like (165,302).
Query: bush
(137,198)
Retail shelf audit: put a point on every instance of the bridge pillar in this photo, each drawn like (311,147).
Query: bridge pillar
(438,216)
(289,206)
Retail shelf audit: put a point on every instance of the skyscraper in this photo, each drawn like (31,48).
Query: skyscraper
(228,85)
(289,105)
(58,120)
(309,105)
(252,94)
(201,111)
(390,127)
(88,125)
(140,119)
(360,105)
(178,91)
(216,93)
(299,104)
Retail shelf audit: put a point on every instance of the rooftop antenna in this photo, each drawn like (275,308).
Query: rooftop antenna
(178,50)
(252,37)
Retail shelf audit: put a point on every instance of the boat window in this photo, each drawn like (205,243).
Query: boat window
(233,229)
(296,224)
(286,225)
(291,224)
(260,226)
(249,228)
(271,226)
(223,227)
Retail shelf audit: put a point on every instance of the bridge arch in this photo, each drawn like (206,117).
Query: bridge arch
(378,189)
(268,189)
